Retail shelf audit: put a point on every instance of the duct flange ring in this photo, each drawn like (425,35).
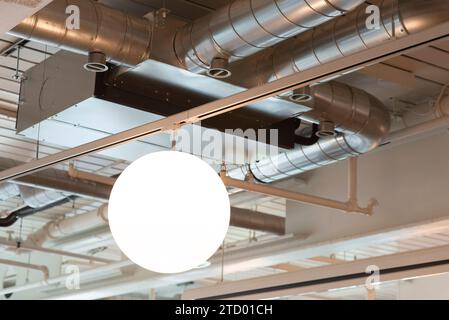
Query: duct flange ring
(96,62)
(326,129)
(300,95)
(219,69)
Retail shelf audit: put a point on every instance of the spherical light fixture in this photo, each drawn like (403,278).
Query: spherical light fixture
(169,212)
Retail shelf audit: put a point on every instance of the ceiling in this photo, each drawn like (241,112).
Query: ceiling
(406,81)
(186,9)
(412,80)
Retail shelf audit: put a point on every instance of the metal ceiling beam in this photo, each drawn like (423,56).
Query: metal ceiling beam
(324,72)
(54,179)
(102,270)
(392,268)
(30,247)
(17,264)
(254,255)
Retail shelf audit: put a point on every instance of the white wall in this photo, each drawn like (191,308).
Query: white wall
(410,181)
(428,288)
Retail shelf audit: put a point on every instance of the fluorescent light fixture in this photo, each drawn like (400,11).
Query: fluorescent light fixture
(169,212)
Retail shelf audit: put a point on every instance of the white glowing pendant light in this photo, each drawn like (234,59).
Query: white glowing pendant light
(169,212)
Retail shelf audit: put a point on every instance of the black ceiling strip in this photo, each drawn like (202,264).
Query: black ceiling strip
(325,280)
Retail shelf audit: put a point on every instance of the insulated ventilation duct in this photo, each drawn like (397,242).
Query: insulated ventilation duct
(33,197)
(245,27)
(340,38)
(35,200)
(26,3)
(39,198)
(362,120)
(236,31)
(8,191)
(123,39)
(232,32)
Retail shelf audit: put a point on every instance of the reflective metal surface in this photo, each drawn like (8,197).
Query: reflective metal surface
(359,117)
(122,38)
(144,94)
(245,27)
(242,28)
(341,37)
(282,86)
(8,190)
(38,198)
(176,78)
(362,118)
(54,179)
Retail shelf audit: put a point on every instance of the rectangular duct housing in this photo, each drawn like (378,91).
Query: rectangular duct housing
(63,104)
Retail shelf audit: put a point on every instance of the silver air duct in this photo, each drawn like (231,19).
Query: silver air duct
(237,30)
(48,179)
(26,3)
(362,120)
(32,197)
(339,38)
(8,191)
(123,39)
(39,198)
(245,27)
